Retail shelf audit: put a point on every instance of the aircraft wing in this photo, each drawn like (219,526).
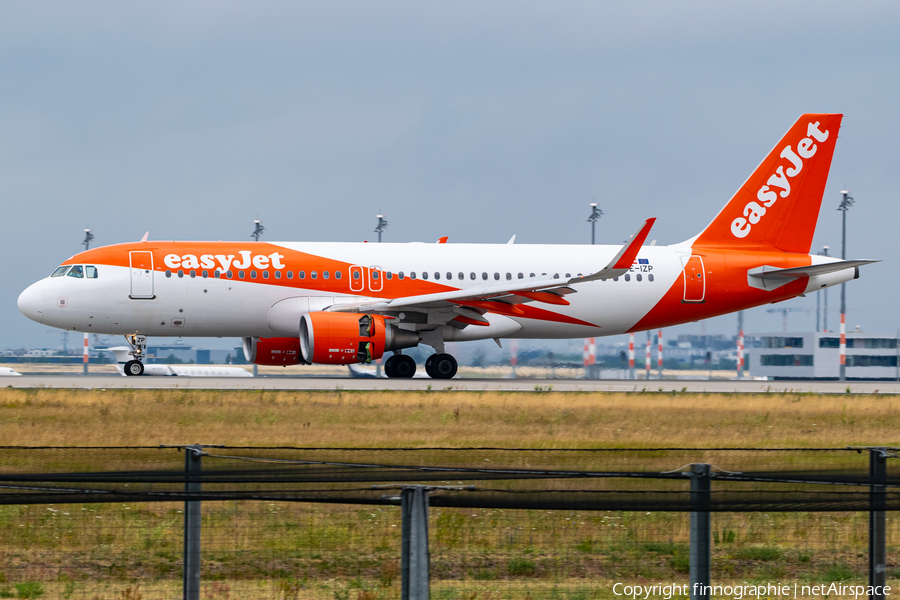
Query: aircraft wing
(545,289)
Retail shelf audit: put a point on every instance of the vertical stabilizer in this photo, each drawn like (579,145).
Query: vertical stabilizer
(778,206)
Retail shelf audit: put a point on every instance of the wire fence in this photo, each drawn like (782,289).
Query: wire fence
(256,544)
(341,552)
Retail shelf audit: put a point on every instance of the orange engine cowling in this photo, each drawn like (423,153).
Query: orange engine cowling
(276,352)
(334,338)
(341,338)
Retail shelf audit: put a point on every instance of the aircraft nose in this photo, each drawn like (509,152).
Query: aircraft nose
(31,302)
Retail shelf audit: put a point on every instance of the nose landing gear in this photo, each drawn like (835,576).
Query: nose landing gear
(138,343)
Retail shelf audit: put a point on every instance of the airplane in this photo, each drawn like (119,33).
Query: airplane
(7,372)
(350,303)
(122,352)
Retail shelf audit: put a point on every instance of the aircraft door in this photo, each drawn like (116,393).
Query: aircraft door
(141,274)
(694,279)
(357,278)
(376,279)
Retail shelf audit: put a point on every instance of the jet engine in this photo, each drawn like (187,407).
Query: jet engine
(334,338)
(277,352)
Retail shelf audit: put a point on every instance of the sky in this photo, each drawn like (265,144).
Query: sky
(472,120)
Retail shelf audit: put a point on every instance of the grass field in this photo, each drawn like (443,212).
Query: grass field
(285,550)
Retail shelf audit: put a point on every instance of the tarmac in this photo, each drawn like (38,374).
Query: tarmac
(457,384)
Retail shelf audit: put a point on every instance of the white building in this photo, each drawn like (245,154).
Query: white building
(817,356)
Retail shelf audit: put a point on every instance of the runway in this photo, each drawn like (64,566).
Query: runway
(472,385)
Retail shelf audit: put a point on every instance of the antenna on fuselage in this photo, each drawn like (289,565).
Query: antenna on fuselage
(257,229)
(88,238)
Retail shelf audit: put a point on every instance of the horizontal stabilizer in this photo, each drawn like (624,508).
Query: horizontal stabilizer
(769,278)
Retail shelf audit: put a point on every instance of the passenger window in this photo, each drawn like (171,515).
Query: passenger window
(77,272)
(290,274)
(461,276)
(568,275)
(60,271)
(325,275)
(374,275)
(496,276)
(337,274)
(472,276)
(627,277)
(556,276)
(484,276)
(277,274)
(437,275)
(521,276)
(615,278)
(229,274)
(449,276)
(193,273)
(181,273)
(301,274)
(205,274)
(650,277)
(90,271)
(168,273)
(265,274)
(355,274)
(252,274)
(390,275)
(508,276)
(313,275)
(639,278)
(531,274)
(400,275)
(425,275)
(412,275)
(217,273)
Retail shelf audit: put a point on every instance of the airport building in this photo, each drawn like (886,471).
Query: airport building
(817,356)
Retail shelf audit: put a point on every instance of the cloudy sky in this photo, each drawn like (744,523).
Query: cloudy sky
(476,120)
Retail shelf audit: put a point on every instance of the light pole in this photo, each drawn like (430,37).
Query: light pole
(846,202)
(257,229)
(85,352)
(823,252)
(596,213)
(382,225)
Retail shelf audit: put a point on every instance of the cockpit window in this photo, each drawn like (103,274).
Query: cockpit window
(77,271)
(90,271)
(60,271)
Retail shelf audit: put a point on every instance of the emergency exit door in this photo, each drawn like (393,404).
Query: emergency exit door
(694,279)
(141,275)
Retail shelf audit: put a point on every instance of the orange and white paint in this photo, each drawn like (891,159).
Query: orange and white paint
(445,292)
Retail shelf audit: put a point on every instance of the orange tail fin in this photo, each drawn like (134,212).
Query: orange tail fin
(778,206)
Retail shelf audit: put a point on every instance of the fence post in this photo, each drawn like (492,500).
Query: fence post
(191,575)
(414,559)
(877,523)
(700,551)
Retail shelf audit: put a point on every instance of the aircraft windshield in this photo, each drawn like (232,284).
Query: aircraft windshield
(60,271)
(90,271)
(77,271)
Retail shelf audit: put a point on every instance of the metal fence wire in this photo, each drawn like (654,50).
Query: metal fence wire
(328,523)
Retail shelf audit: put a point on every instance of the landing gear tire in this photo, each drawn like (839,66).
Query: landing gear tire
(441,366)
(389,366)
(401,367)
(134,368)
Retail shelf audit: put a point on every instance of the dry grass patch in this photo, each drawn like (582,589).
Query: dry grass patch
(443,418)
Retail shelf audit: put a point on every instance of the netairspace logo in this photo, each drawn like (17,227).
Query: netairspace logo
(669,591)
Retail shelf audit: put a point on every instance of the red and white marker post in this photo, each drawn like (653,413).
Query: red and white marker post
(659,353)
(631,356)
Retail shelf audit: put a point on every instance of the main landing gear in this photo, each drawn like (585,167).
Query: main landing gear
(438,366)
(400,366)
(138,343)
(441,366)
